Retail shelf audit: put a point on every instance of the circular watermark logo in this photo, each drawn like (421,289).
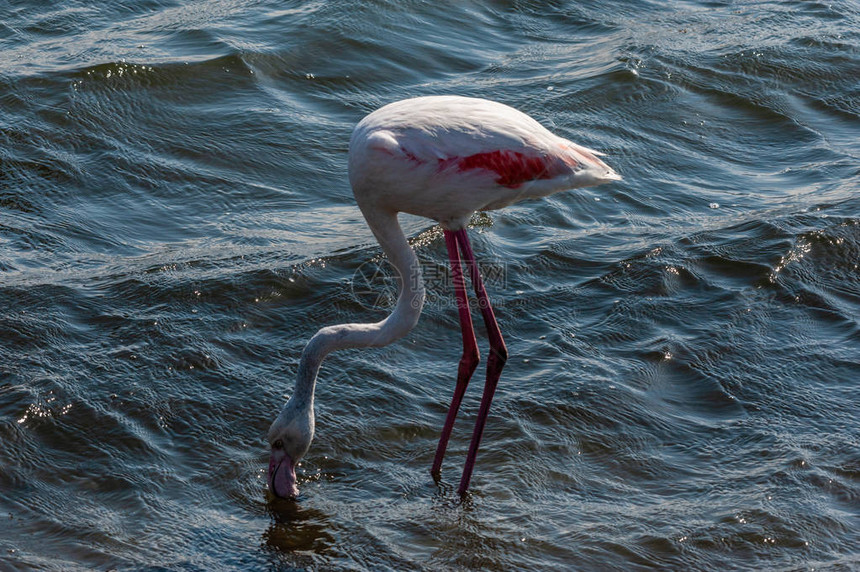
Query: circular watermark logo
(374,285)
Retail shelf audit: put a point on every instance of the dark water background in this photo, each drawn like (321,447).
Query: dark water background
(175,223)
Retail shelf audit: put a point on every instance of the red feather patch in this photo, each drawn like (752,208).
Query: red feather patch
(513,168)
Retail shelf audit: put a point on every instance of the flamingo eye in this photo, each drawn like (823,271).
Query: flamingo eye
(278,444)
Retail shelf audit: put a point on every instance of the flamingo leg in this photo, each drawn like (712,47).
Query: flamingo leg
(471,356)
(495,362)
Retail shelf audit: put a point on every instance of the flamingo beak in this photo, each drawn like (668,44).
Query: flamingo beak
(282,475)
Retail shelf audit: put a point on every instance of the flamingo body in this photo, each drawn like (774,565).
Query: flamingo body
(442,157)
(446,157)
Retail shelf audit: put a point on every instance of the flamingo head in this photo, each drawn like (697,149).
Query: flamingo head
(290,438)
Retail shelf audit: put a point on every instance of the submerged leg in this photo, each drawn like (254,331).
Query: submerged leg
(471,356)
(495,362)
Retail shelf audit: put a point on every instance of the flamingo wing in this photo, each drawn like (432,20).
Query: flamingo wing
(465,135)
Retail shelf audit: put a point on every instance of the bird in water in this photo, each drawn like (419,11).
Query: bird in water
(441,157)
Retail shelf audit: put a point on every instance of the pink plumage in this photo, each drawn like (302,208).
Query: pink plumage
(445,157)
(511,167)
(442,157)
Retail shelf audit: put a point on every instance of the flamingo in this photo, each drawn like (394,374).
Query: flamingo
(441,157)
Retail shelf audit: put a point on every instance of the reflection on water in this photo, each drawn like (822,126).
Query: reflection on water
(296,529)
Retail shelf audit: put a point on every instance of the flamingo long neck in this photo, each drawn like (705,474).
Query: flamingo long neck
(410,300)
